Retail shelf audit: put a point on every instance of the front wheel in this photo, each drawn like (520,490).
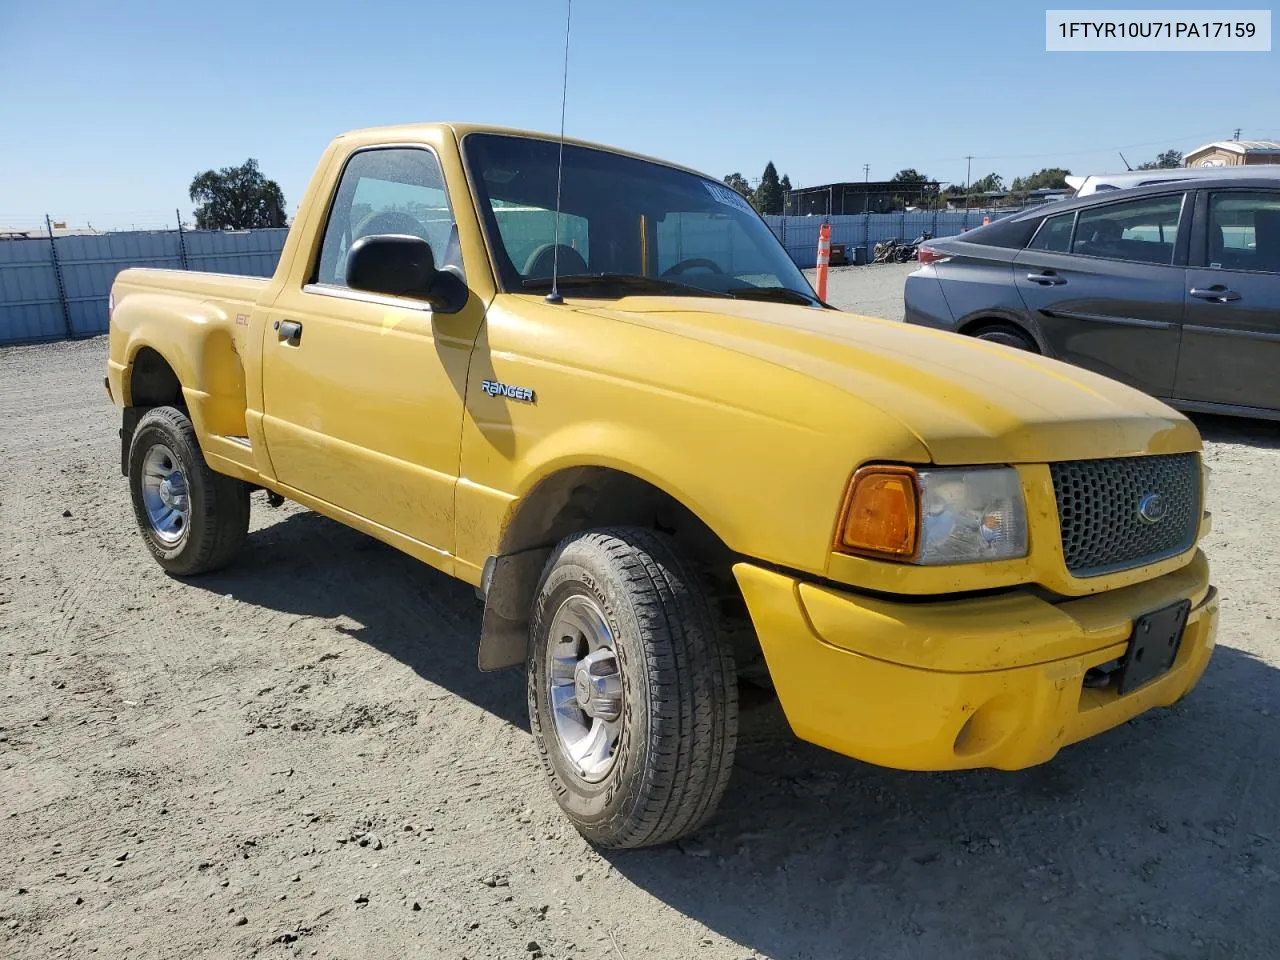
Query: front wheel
(192,519)
(633,697)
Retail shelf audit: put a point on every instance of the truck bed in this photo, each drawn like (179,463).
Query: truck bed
(196,283)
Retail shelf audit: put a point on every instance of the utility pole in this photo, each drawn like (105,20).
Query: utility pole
(866,190)
(968,169)
(1237,136)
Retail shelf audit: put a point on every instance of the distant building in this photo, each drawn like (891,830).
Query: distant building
(844,199)
(40,233)
(1233,153)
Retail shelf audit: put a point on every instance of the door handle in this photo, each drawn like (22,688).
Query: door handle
(1046,279)
(290,330)
(1218,293)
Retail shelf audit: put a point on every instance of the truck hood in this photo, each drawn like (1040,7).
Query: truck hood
(967,401)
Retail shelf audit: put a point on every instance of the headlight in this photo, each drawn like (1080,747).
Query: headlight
(935,516)
(971,515)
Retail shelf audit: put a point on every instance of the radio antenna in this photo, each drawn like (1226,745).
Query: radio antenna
(554,295)
(1126,162)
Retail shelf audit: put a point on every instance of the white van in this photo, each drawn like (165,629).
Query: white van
(1096,182)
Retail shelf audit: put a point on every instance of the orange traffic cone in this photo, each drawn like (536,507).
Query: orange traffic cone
(824,259)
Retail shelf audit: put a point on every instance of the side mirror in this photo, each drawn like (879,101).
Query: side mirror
(392,264)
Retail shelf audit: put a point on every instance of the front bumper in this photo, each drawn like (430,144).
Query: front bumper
(985,682)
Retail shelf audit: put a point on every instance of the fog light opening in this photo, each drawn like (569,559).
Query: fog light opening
(987,728)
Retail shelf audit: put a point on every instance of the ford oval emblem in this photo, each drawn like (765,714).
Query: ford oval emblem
(1152,508)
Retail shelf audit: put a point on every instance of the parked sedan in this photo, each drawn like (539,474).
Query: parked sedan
(1173,288)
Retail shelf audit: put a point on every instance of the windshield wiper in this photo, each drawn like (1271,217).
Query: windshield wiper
(630,282)
(776,295)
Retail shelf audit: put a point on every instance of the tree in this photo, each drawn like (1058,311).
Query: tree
(1164,161)
(909,177)
(236,198)
(785,183)
(738,182)
(991,183)
(913,188)
(1050,178)
(769,193)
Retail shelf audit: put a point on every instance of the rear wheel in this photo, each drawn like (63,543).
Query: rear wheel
(633,697)
(192,519)
(1009,336)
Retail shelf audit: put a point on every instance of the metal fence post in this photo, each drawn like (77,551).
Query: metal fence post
(182,241)
(57,273)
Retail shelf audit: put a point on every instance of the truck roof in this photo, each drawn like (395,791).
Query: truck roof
(413,131)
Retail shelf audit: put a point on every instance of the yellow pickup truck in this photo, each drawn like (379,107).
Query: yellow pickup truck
(670,470)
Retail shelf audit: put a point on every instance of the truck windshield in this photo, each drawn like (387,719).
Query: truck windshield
(627,226)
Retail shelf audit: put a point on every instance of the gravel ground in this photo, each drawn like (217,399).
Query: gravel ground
(874,290)
(297,757)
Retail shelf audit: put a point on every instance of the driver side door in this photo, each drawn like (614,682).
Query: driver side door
(363,393)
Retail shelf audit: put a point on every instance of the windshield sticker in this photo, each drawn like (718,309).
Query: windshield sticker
(728,196)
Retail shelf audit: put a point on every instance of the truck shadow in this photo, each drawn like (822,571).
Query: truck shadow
(1159,838)
(1154,839)
(308,565)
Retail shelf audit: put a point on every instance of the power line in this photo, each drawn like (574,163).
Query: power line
(1070,153)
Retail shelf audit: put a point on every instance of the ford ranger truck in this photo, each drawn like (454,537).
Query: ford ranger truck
(669,470)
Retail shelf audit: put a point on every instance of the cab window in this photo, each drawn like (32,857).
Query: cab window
(387,191)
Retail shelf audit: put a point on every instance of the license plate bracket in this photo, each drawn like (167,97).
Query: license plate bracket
(1154,645)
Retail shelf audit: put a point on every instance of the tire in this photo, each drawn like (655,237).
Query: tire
(1007,336)
(216,520)
(677,695)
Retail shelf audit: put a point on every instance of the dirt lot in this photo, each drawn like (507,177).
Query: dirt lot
(296,757)
(873,291)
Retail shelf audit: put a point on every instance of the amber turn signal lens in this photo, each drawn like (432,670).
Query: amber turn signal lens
(881,513)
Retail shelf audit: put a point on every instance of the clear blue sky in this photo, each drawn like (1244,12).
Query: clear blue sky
(109,108)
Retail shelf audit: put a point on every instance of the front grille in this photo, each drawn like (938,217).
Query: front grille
(1100,510)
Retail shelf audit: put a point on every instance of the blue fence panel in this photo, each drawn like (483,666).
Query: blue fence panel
(251,253)
(90,264)
(799,235)
(29,306)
